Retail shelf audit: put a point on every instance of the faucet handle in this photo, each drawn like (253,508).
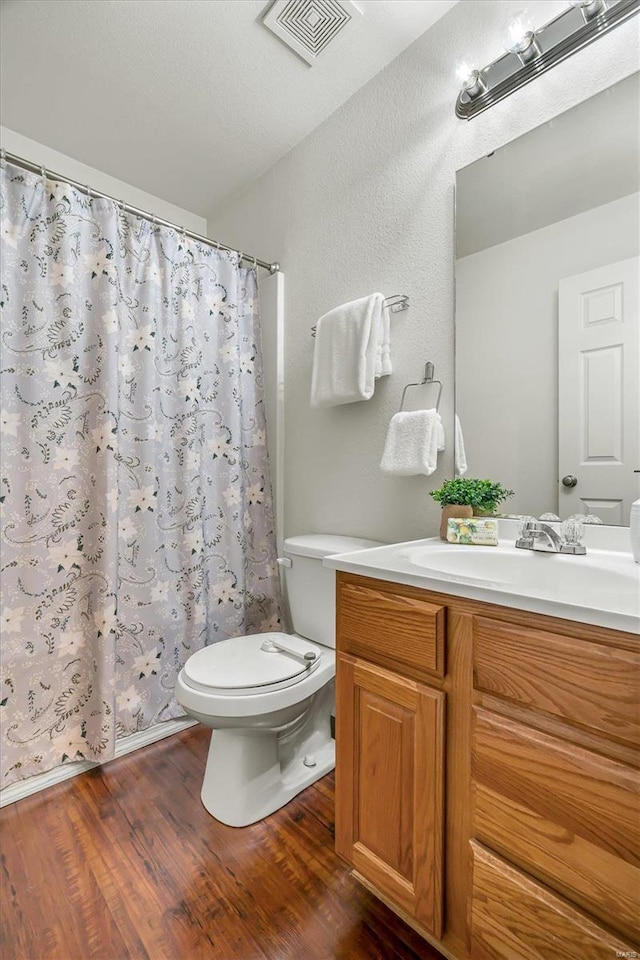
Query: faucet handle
(525,539)
(523,528)
(572,532)
(572,529)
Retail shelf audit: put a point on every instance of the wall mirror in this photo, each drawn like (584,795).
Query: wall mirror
(547,327)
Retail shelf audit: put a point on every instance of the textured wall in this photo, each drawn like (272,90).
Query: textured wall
(365,203)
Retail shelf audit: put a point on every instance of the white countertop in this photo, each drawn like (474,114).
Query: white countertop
(600,601)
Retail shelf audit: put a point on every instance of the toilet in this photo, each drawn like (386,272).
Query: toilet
(268,697)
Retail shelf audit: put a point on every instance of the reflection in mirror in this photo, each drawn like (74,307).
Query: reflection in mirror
(547,327)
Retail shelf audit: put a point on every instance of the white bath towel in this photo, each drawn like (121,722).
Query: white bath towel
(459,451)
(351,352)
(412,443)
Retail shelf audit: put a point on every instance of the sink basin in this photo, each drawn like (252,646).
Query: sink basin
(602,587)
(573,577)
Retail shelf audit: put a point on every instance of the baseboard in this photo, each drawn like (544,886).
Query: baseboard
(25,788)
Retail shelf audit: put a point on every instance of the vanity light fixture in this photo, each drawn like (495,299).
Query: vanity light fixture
(531,52)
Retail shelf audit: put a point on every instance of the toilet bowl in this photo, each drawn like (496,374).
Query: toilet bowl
(268,697)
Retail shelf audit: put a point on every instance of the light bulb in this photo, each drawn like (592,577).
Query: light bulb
(470,80)
(519,37)
(463,72)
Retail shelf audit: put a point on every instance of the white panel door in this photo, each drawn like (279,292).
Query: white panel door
(598,392)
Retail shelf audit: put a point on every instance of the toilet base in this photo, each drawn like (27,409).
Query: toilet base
(251,772)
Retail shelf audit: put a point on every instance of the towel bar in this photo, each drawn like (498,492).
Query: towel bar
(395,303)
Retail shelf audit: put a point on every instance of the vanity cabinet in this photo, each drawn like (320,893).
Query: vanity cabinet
(512,830)
(390,745)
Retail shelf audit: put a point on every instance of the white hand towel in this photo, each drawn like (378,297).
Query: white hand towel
(350,352)
(411,447)
(459,451)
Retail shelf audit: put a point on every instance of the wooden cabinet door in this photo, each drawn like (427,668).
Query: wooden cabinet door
(389,785)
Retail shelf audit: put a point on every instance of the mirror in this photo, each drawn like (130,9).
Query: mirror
(547,328)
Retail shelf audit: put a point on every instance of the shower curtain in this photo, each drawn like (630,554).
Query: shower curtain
(137,522)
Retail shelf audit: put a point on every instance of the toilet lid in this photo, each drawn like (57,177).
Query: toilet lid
(251,664)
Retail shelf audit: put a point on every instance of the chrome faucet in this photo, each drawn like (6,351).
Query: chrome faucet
(536,535)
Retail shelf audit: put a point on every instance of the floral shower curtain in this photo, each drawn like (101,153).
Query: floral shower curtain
(137,523)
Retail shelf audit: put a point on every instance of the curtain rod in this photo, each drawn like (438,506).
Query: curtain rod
(51,175)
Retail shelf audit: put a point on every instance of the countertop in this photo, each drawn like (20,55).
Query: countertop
(615,609)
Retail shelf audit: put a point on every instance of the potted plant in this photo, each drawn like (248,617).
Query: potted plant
(468,496)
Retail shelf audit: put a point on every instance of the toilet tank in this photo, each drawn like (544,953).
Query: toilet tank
(311,587)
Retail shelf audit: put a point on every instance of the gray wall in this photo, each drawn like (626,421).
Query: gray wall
(67,166)
(366,202)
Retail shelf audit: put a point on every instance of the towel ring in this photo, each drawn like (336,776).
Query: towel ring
(428,378)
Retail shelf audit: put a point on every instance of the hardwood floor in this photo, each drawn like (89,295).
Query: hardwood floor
(124,863)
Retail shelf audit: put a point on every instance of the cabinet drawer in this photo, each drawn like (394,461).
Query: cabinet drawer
(563,813)
(391,627)
(515,918)
(594,686)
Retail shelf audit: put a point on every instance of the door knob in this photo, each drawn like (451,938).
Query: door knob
(569,481)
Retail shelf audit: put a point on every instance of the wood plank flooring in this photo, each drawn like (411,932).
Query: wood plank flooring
(124,863)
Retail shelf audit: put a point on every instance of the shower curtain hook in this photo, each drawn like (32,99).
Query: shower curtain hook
(43,172)
(3,157)
(240,257)
(255,263)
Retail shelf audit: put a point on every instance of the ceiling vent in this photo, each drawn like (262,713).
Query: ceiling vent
(309,26)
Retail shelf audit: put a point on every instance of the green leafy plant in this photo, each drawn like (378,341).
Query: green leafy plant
(482,495)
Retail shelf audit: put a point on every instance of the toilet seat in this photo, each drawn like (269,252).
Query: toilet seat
(255,664)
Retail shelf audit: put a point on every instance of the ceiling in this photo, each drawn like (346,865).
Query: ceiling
(581,159)
(190,100)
